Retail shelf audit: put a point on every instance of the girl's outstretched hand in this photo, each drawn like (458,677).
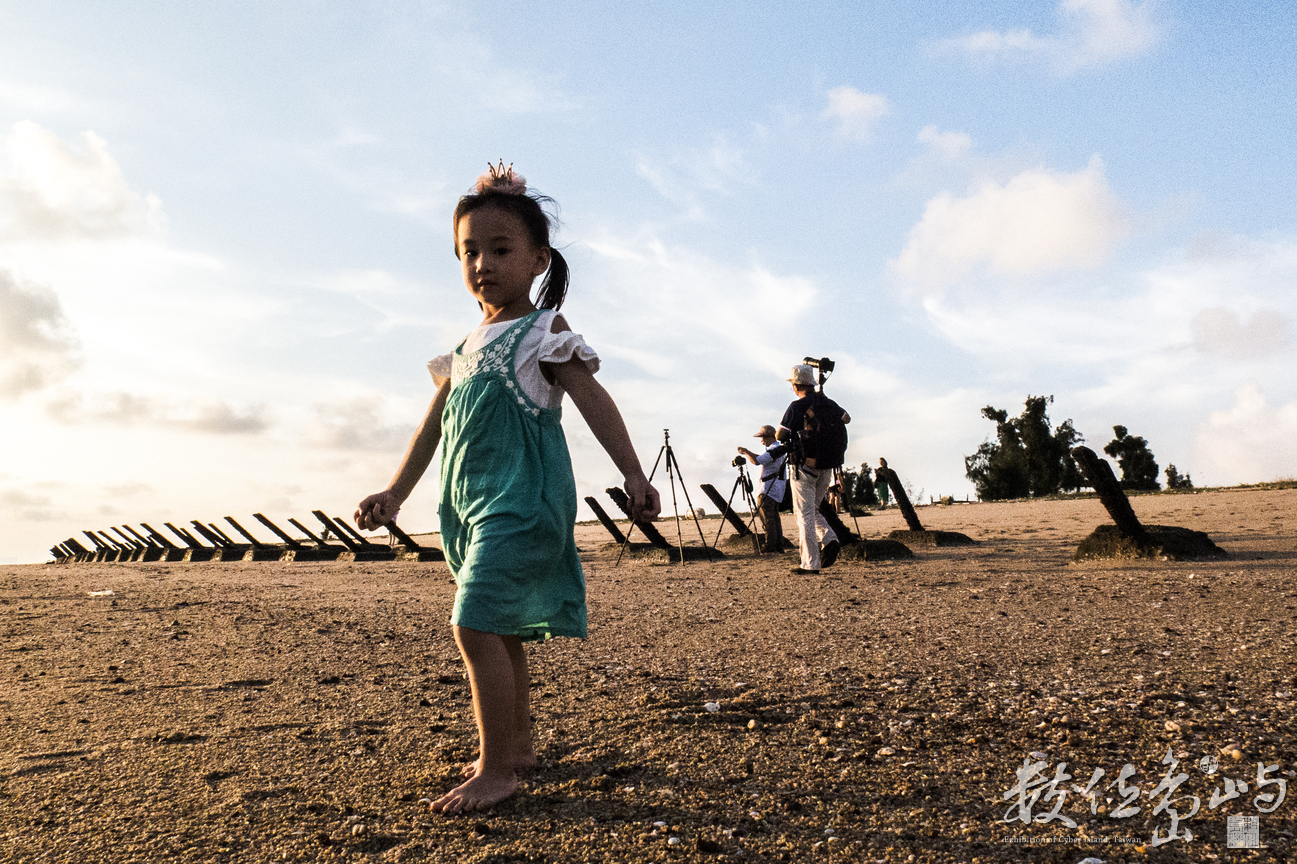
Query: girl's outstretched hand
(644,501)
(377,510)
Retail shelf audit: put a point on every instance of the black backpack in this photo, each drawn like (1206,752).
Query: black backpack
(823,434)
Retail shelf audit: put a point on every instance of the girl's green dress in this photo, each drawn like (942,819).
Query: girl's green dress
(508,501)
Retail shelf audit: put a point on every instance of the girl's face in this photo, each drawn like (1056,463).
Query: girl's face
(500,261)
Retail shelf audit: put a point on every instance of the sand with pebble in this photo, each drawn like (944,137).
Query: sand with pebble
(954,707)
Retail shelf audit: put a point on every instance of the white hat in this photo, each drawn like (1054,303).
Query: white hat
(803,376)
(766,431)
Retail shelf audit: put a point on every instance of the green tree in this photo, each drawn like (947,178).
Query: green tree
(858,488)
(1175,481)
(1138,468)
(1027,457)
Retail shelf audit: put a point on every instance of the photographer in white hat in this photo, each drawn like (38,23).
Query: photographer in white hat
(811,427)
(773,486)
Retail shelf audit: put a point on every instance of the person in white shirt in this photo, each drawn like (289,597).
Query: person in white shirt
(774,485)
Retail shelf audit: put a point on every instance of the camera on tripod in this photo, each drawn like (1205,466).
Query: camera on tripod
(823,364)
(739,461)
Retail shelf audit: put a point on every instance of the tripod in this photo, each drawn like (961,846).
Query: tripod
(745,483)
(848,497)
(673,471)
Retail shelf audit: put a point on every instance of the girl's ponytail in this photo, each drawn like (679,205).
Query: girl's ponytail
(501,187)
(553,289)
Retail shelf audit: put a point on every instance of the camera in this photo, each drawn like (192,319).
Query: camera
(739,461)
(824,364)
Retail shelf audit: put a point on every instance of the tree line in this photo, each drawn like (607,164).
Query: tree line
(1028,458)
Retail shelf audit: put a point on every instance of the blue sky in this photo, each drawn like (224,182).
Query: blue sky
(225,248)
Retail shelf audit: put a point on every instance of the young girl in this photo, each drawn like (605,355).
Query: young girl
(508,499)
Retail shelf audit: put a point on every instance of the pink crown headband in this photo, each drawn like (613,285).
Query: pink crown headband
(501,179)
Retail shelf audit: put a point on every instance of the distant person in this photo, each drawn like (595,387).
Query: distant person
(774,485)
(880,483)
(814,429)
(508,498)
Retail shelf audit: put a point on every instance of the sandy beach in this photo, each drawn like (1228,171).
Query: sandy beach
(881,711)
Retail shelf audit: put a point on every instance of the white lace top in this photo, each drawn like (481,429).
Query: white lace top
(538,346)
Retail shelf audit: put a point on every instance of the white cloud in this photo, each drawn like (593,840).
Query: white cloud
(357,424)
(203,416)
(477,74)
(680,178)
(1108,29)
(1250,442)
(1092,33)
(29,99)
(14,498)
(1038,222)
(704,306)
(37,345)
(1219,331)
(855,111)
(948,145)
(50,191)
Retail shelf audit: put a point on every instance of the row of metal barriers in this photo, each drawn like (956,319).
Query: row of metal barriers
(337,541)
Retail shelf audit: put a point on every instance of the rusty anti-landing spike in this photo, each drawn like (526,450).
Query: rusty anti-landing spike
(207,535)
(345,530)
(327,522)
(134,550)
(256,544)
(730,516)
(323,551)
(294,549)
(609,525)
(196,551)
(902,500)
(130,542)
(151,551)
(362,551)
(278,532)
(76,548)
(307,531)
(370,550)
(1099,473)
(229,541)
(259,551)
(138,536)
(116,551)
(226,549)
(101,549)
(157,536)
(646,528)
(413,551)
(356,535)
(170,551)
(185,536)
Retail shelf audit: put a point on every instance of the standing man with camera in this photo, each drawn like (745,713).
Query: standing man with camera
(814,428)
(773,485)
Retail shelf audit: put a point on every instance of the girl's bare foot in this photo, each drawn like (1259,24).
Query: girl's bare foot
(481,792)
(523,763)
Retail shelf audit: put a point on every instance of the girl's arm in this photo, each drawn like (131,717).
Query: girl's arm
(379,509)
(605,421)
